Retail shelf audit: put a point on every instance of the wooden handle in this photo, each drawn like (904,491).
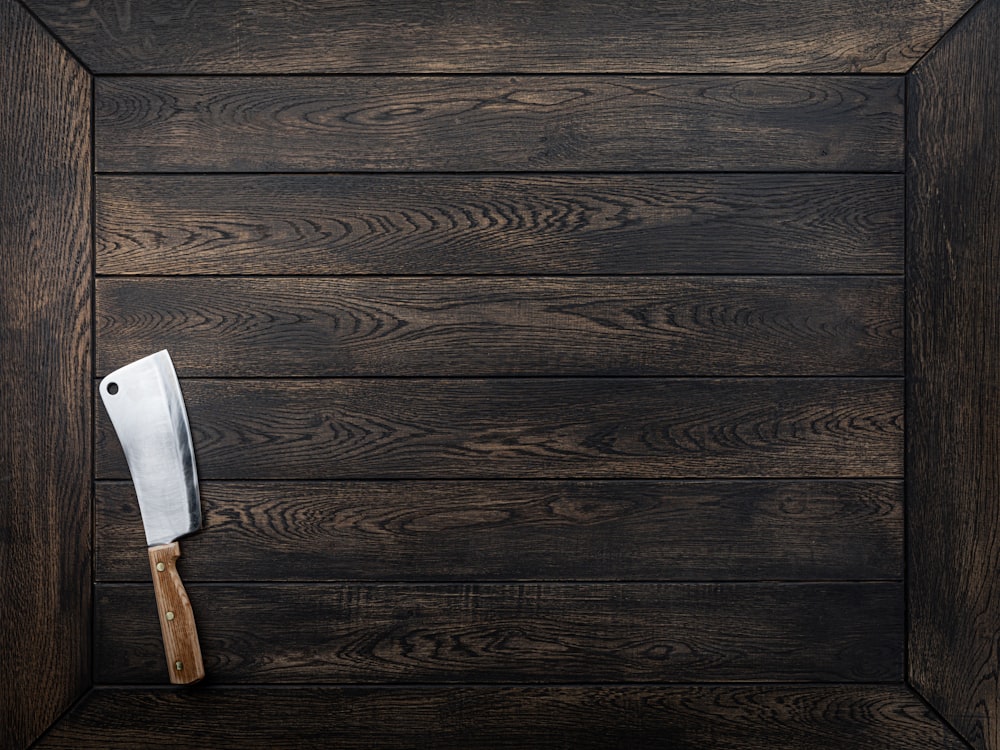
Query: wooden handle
(180,637)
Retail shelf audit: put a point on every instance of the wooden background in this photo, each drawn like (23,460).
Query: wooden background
(382,376)
(545,367)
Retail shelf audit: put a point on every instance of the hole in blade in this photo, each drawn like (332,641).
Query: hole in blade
(112,388)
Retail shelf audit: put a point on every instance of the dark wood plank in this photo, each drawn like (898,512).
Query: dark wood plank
(495,224)
(551,632)
(240,36)
(45,345)
(522,530)
(462,123)
(599,717)
(954,235)
(542,428)
(506,326)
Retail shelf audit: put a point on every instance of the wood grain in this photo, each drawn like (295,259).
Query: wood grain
(177,625)
(551,632)
(622,717)
(497,224)
(505,326)
(255,36)
(537,428)
(522,530)
(463,123)
(45,362)
(475,224)
(954,341)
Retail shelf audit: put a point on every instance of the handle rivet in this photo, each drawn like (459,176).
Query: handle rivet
(160,567)
(170,615)
(179,665)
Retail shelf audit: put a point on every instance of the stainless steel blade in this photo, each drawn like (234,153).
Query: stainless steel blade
(147,410)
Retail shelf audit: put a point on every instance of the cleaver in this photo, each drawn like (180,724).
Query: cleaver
(147,410)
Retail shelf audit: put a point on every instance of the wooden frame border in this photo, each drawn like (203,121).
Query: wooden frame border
(46,276)
(953,237)
(952,376)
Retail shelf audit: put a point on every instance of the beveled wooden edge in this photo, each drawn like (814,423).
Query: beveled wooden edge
(26,4)
(684,717)
(846,67)
(951,469)
(45,327)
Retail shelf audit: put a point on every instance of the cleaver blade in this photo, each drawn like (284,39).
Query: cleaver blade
(144,401)
(147,410)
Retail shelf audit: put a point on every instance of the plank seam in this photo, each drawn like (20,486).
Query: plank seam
(512,582)
(323,378)
(560,277)
(698,480)
(417,583)
(458,685)
(478,478)
(526,74)
(487,172)
(513,276)
(91,436)
(906,381)
(514,172)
